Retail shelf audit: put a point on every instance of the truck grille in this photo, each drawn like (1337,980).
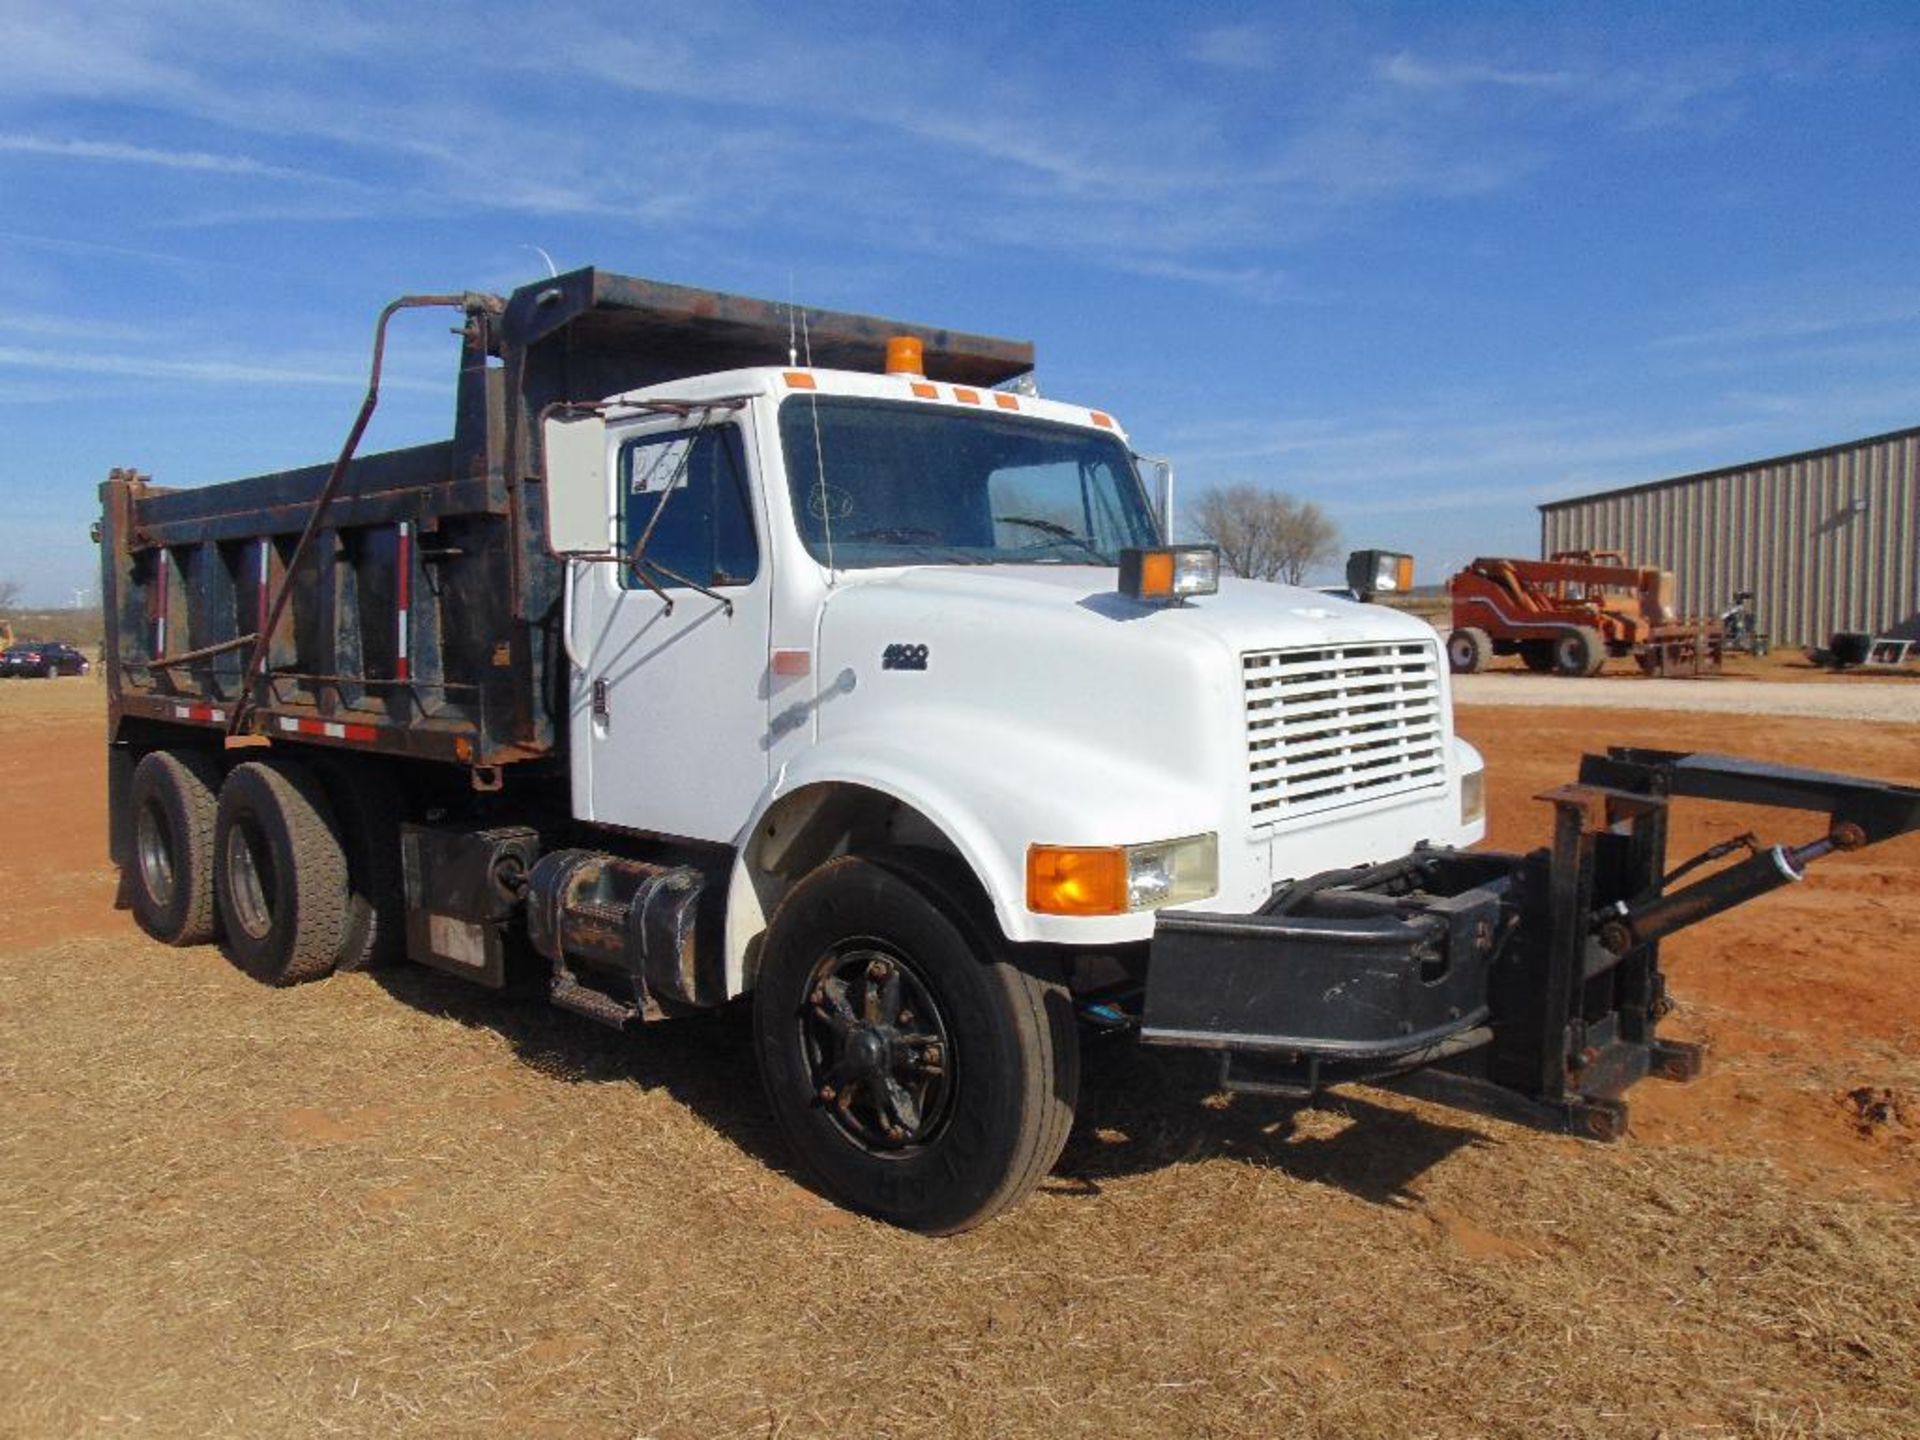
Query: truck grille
(1340,724)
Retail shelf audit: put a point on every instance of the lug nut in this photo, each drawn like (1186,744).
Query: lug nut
(827,1093)
(879,970)
(906,1017)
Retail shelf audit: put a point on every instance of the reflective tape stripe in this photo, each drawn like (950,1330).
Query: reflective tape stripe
(329,729)
(403,599)
(206,714)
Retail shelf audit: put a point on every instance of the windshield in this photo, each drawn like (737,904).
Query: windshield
(909,484)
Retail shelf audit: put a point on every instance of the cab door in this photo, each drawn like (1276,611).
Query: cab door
(671,694)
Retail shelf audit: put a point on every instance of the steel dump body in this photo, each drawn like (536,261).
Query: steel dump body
(423,618)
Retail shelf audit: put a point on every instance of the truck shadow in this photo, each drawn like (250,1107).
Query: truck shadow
(703,1061)
(1141,1110)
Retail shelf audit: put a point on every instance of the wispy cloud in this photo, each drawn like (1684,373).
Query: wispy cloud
(1800,320)
(1414,73)
(121,153)
(66,245)
(202,372)
(1250,47)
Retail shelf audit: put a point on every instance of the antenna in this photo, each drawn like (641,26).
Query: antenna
(819,455)
(793,354)
(552,274)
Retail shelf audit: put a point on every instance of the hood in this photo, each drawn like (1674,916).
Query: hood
(1080,601)
(1050,669)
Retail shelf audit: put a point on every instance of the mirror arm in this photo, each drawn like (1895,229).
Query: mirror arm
(680,579)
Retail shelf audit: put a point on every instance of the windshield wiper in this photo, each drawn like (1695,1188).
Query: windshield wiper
(1057,532)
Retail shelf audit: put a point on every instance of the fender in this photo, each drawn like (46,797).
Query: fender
(990,789)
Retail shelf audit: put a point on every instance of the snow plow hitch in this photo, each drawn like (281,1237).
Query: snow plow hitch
(1526,986)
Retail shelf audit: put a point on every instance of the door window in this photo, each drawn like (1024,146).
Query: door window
(690,487)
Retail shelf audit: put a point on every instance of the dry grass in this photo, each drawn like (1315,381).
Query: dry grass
(400,1207)
(410,1209)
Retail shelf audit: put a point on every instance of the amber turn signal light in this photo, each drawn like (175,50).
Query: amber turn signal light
(1076,880)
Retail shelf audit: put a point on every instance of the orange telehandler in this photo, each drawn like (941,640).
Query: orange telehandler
(1568,614)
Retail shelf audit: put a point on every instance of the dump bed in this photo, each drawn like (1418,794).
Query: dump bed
(423,618)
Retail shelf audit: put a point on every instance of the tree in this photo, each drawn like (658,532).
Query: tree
(9,593)
(1265,534)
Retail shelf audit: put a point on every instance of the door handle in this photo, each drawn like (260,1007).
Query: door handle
(601,711)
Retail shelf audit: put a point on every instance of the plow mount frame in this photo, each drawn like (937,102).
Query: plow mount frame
(1528,987)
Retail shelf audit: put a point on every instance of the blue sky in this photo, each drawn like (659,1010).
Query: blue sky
(1425,264)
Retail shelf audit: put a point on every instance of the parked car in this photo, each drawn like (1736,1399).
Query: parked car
(42,660)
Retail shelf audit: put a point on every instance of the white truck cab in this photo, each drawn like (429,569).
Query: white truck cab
(881,590)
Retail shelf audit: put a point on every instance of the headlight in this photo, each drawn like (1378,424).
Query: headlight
(1473,796)
(1117,879)
(1170,572)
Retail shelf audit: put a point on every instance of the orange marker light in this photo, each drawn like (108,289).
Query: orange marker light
(1007,402)
(906,355)
(1406,573)
(792,662)
(966,397)
(1104,421)
(1069,880)
(927,392)
(1156,574)
(800,380)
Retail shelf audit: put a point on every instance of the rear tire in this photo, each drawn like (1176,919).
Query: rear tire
(365,803)
(172,801)
(1579,652)
(1468,650)
(280,875)
(920,1074)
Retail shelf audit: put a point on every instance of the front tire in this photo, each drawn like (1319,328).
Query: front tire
(172,801)
(920,1074)
(279,874)
(1580,652)
(1468,650)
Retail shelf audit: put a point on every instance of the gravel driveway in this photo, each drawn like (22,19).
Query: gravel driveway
(1895,701)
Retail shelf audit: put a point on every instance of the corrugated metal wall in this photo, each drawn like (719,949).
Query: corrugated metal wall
(1828,540)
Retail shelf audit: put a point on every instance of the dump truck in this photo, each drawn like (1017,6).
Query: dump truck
(734,653)
(1567,614)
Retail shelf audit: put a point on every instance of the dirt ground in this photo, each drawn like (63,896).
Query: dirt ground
(396,1206)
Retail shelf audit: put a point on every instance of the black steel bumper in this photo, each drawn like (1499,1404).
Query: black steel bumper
(1525,985)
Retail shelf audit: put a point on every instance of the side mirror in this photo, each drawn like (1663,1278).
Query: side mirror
(1157,474)
(579,520)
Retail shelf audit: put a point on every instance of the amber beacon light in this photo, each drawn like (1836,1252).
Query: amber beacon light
(906,356)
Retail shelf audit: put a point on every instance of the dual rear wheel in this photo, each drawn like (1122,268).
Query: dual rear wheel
(294,868)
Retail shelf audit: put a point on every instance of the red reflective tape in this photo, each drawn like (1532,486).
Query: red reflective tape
(403,599)
(160,605)
(205,714)
(329,729)
(262,597)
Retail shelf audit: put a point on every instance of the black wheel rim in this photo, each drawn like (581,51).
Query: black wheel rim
(877,1049)
(153,841)
(250,880)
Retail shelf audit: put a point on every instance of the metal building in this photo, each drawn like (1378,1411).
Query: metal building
(1826,539)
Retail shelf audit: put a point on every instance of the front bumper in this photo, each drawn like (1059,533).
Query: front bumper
(1525,985)
(1376,973)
